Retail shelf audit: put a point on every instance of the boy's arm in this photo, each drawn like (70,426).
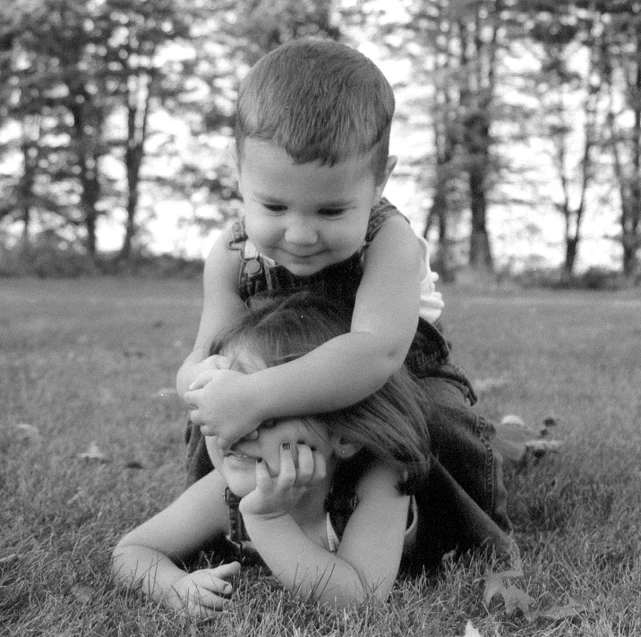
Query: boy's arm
(221,304)
(147,555)
(340,372)
(368,557)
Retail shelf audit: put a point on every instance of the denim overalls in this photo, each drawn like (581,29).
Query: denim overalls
(462,503)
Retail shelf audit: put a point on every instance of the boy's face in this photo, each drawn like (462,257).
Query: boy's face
(305,216)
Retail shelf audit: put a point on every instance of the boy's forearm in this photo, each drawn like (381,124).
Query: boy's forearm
(335,375)
(300,565)
(187,374)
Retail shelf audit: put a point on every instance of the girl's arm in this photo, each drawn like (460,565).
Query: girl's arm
(340,372)
(148,555)
(368,557)
(221,304)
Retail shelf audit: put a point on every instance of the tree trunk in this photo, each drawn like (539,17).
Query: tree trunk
(571,250)
(442,260)
(480,257)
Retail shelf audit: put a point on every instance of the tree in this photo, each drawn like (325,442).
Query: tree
(611,34)
(620,68)
(569,97)
(139,79)
(459,50)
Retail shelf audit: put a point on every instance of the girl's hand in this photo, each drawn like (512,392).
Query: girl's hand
(220,406)
(277,496)
(203,592)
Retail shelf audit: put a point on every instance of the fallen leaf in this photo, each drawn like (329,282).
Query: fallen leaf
(541,447)
(470,630)
(94,453)
(515,441)
(82,593)
(513,597)
(556,613)
(516,599)
(486,385)
(28,433)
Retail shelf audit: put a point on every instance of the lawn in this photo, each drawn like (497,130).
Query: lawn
(94,361)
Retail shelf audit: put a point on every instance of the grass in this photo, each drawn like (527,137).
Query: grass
(86,360)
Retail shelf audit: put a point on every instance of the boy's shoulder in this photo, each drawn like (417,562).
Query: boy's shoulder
(382,212)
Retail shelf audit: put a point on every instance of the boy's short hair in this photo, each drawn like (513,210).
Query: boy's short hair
(319,100)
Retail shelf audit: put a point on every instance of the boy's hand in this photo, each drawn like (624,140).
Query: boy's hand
(217,361)
(221,407)
(277,496)
(203,592)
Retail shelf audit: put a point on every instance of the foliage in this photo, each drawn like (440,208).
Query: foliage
(108,106)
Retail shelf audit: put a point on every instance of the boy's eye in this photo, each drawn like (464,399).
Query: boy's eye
(331,212)
(268,424)
(273,207)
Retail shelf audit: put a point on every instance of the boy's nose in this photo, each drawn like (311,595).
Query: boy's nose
(301,233)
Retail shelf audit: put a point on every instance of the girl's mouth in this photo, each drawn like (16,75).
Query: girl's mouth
(239,455)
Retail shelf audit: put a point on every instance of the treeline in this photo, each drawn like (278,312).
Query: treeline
(109,105)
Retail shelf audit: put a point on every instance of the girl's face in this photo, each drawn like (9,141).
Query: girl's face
(238,464)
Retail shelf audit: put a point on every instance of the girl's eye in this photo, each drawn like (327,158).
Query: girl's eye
(268,424)
(272,207)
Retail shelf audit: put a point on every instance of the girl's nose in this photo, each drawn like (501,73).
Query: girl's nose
(300,232)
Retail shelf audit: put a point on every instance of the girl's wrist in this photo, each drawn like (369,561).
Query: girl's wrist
(254,518)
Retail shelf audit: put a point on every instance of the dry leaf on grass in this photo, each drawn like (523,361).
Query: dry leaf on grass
(27,432)
(470,630)
(513,597)
(485,385)
(572,609)
(82,593)
(515,441)
(94,453)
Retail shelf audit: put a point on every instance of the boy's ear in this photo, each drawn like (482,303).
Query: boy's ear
(344,448)
(389,169)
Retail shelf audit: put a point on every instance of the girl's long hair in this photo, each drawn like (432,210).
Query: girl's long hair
(390,424)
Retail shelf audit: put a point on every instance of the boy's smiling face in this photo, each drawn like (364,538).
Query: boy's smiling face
(305,216)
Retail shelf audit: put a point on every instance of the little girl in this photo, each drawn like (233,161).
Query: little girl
(324,499)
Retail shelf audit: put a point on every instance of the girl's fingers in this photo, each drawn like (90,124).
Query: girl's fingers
(263,479)
(205,601)
(320,468)
(306,464)
(224,571)
(287,475)
(205,580)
